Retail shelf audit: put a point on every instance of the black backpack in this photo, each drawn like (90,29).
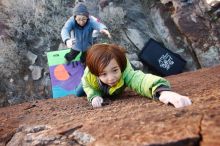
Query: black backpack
(161,59)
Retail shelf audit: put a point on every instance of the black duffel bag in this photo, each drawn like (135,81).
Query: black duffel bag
(161,59)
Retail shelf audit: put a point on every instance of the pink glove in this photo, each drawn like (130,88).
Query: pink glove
(97,101)
(174,98)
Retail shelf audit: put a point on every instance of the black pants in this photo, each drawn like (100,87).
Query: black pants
(72,55)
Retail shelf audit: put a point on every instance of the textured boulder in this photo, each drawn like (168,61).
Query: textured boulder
(28,32)
(130,120)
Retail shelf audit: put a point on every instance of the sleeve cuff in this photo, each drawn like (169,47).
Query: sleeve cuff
(65,41)
(159,89)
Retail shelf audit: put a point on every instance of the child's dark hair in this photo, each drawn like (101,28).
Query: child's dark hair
(99,56)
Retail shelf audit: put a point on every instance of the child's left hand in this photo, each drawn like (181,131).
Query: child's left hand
(174,98)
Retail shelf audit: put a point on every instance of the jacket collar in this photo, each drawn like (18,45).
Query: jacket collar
(110,90)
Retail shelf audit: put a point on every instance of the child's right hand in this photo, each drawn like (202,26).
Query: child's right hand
(97,101)
(174,98)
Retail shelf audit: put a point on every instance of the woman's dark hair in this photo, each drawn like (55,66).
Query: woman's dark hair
(99,56)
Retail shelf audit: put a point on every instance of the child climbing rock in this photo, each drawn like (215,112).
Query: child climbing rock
(109,72)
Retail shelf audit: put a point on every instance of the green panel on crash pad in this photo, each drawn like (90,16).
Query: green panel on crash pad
(57,57)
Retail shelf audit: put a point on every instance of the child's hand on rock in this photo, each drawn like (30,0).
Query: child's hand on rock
(174,98)
(97,101)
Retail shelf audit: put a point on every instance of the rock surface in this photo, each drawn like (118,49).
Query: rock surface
(28,32)
(130,120)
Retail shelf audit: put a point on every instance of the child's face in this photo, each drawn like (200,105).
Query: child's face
(111,73)
(81,19)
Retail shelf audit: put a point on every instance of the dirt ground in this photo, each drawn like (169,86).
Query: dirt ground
(129,120)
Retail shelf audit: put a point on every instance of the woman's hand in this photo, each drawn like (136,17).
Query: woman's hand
(174,98)
(106,32)
(97,101)
(69,43)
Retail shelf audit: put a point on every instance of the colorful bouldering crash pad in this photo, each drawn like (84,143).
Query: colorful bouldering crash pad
(65,77)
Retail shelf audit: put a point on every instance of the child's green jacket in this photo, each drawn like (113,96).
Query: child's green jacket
(144,84)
